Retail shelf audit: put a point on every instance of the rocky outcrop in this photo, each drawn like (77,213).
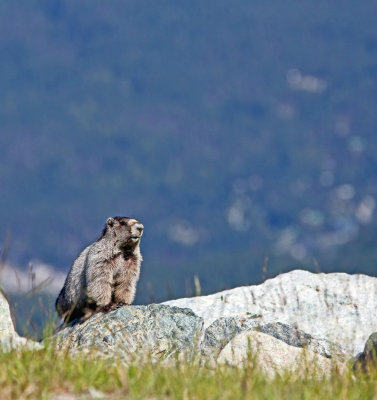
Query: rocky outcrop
(338,307)
(160,332)
(320,319)
(9,339)
(323,319)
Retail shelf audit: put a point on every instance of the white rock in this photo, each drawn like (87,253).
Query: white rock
(9,339)
(6,323)
(272,356)
(339,307)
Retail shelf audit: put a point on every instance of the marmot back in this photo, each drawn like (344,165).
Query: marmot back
(105,274)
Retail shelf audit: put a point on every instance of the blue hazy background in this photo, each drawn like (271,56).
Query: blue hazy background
(235,131)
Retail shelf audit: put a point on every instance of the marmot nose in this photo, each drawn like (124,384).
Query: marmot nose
(139,227)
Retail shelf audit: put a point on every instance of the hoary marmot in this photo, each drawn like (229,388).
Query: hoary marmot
(105,274)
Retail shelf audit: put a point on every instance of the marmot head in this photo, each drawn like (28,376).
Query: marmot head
(124,231)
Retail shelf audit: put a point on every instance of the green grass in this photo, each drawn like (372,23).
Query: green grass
(39,374)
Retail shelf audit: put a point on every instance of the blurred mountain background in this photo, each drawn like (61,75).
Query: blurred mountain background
(242,134)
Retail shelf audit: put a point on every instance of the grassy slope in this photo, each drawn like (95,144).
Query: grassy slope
(36,375)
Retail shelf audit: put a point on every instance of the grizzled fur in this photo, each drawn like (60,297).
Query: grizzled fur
(105,274)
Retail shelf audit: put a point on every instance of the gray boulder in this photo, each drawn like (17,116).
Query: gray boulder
(133,332)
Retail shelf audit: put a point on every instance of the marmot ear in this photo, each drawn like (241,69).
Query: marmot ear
(110,221)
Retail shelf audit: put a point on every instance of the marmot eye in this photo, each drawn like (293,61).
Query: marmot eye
(122,223)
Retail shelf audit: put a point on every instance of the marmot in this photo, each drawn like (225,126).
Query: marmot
(105,274)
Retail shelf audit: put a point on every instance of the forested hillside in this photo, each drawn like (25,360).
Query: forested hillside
(232,130)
